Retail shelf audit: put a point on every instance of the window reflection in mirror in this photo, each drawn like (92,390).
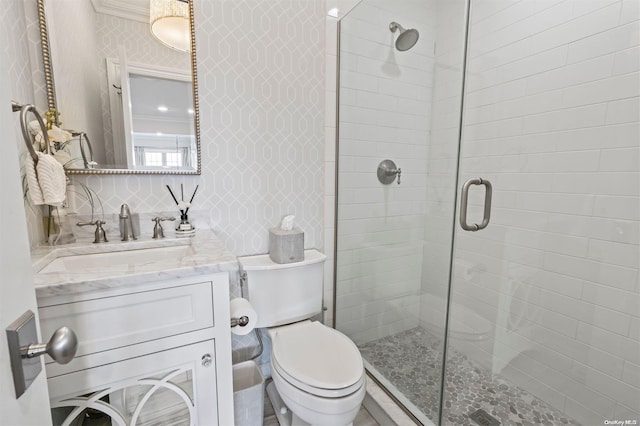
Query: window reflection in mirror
(162,129)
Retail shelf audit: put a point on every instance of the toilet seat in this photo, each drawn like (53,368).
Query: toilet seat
(317,359)
(276,369)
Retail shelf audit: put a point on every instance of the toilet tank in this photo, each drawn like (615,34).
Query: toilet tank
(284,293)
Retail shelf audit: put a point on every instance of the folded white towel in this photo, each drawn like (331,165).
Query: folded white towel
(47,181)
(35,193)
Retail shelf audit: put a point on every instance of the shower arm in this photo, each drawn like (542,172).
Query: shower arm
(394,26)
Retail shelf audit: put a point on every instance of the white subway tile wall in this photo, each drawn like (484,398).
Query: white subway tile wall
(385,103)
(442,161)
(551,118)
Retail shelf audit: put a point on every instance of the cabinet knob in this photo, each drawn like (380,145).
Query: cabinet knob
(207,360)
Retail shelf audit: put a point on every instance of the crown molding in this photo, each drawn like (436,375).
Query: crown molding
(136,10)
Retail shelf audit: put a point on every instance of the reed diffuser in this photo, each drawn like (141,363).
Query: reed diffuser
(184,228)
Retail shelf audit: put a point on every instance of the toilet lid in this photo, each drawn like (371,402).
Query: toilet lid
(277,371)
(317,356)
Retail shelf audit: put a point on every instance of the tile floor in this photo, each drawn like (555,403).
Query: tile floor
(363,418)
(411,361)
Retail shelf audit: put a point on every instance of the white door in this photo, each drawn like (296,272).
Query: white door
(16,278)
(126,109)
(117,115)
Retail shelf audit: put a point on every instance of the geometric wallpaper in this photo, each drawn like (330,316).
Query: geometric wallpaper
(261,92)
(16,59)
(261,88)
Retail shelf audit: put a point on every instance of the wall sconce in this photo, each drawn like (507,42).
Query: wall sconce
(169,21)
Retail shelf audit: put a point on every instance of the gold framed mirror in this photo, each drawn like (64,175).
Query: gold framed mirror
(128,100)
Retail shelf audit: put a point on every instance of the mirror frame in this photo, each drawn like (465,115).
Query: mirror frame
(53,108)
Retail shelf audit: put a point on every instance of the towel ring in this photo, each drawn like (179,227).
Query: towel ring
(81,136)
(24,124)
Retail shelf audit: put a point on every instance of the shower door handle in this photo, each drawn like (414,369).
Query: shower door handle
(464,198)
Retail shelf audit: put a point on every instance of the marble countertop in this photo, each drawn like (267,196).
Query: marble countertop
(204,254)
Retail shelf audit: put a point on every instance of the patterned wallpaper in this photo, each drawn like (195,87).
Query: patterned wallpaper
(261,83)
(261,74)
(18,63)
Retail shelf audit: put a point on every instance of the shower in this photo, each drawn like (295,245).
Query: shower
(511,324)
(407,38)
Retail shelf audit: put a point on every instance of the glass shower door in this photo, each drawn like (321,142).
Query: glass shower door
(399,125)
(545,302)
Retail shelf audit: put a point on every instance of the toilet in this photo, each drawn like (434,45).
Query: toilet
(318,373)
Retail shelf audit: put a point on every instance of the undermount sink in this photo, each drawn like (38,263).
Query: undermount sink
(116,260)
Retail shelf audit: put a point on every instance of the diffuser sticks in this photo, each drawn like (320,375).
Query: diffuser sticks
(184,228)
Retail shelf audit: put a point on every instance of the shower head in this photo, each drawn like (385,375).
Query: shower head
(407,38)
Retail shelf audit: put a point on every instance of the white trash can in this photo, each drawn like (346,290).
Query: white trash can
(248,394)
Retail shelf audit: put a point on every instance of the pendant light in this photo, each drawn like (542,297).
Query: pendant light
(169,21)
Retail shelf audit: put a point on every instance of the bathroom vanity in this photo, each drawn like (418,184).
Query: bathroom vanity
(153,324)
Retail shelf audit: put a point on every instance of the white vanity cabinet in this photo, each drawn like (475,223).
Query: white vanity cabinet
(148,354)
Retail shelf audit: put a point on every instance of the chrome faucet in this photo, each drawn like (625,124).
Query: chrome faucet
(126,225)
(158,232)
(100,234)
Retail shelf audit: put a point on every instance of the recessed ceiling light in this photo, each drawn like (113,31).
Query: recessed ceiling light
(162,108)
(190,111)
(158,133)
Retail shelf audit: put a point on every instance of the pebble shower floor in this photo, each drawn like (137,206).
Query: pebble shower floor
(411,360)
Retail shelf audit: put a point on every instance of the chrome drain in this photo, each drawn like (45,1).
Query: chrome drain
(483,418)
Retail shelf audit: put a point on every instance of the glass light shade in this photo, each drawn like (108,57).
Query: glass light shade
(169,21)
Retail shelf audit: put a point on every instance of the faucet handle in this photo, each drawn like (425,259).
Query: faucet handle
(159,219)
(100,234)
(96,222)
(158,232)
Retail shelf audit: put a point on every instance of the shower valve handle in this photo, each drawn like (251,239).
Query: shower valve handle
(394,172)
(387,172)
(398,172)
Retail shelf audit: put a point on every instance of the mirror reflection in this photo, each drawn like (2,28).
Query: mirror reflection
(162,131)
(127,96)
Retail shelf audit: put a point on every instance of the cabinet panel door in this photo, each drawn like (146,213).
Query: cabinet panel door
(177,386)
(110,322)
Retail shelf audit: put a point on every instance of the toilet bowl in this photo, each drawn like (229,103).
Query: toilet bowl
(317,371)
(313,410)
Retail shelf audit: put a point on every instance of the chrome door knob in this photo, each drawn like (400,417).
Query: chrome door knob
(62,346)
(21,334)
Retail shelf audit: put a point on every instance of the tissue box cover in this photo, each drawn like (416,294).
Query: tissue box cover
(286,246)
